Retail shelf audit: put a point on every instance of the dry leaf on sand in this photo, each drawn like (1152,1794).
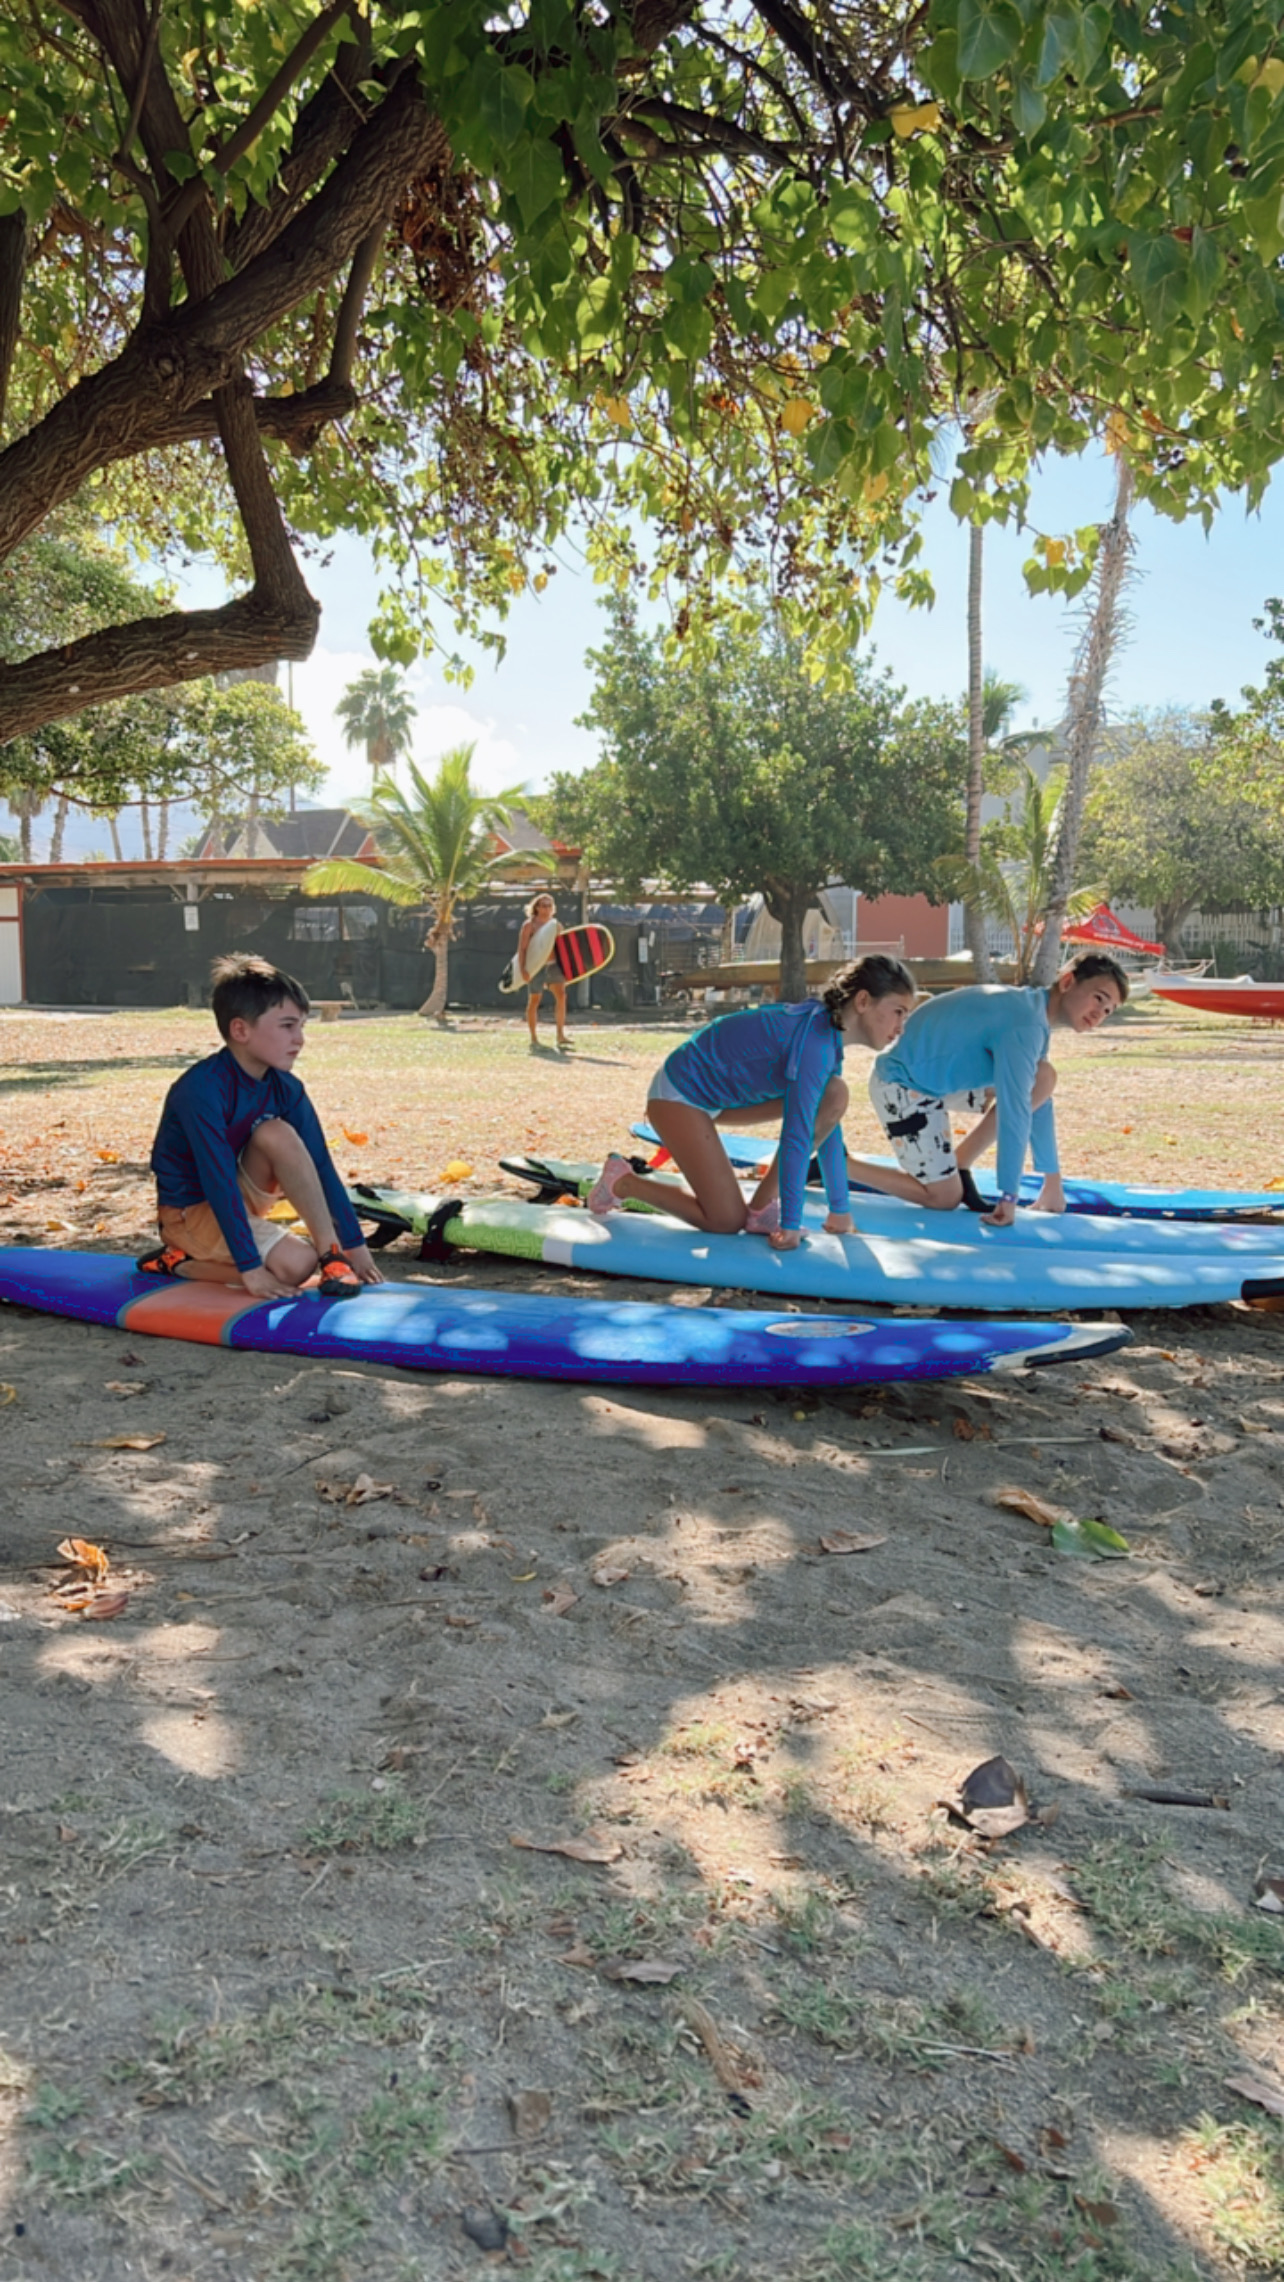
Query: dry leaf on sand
(842,1541)
(530,2113)
(558,1599)
(129,1442)
(105,1605)
(125,1386)
(657,1969)
(992,1800)
(1258,2090)
(1034,1508)
(82,1555)
(590,1848)
(608,1574)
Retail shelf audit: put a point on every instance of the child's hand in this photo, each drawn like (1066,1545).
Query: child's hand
(1003,1215)
(264,1284)
(785,1239)
(362,1265)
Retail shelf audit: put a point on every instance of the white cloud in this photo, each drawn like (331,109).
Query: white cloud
(441,721)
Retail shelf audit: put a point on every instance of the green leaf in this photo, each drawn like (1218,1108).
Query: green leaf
(1207,268)
(1160,268)
(1060,46)
(1090,1541)
(1029,108)
(534,174)
(1263,218)
(989,34)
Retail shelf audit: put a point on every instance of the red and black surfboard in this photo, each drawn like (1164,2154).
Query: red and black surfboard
(583,951)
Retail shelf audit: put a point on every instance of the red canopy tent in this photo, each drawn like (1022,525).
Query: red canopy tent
(1102,927)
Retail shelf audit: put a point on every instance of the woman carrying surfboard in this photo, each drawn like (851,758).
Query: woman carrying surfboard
(770,1063)
(537,968)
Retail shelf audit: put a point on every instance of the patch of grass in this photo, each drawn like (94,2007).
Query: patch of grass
(77,2173)
(1241,2170)
(399,2130)
(52,2108)
(189,2061)
(1120,1883)
(126,1845)
(804,1923)
(359,1822)
(323,2240)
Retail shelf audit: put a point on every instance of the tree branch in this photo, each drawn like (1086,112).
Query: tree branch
(13,268)
(151,653)
(268,104)
(165,370)
(343,348)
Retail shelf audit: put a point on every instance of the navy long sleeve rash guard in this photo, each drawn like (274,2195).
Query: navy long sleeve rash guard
(209,1115)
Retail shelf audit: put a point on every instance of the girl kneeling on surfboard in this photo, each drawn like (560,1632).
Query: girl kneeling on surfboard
(536,968)
(769,1064)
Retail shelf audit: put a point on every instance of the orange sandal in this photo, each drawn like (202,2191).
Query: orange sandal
(338,1279)
(166,1260)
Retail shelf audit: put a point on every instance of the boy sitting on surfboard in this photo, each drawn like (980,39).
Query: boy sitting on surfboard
(537,968)
(237,1136)
(983,1048)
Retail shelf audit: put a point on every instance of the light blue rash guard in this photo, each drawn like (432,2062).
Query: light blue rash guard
(209,1115)
(987,1035)
(772,1053)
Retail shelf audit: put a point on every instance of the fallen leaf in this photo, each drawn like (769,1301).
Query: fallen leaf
(558,1719)
(107,1156)
(558,1599)
(365,1490)
(1268,1894)
(530,2113)
(129,1442)
(358,1140)
(527,1577)
(105,1605)
(1256,2089)
(1034,1508)
(1119,1694)
(8,1394)
(459,1169)
(607,1575)
(992,1799)
(1098,2214)
(649,1969)
(586,1849)
(125,1386)
(842,1541)
(1090,1540)
(463,1623)
(82,1555)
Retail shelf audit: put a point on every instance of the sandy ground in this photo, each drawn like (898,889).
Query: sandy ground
(540,1847)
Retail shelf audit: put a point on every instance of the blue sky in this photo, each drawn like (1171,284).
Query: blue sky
(1192,603)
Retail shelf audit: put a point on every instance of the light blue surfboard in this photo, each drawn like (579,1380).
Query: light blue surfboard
(1113,1198)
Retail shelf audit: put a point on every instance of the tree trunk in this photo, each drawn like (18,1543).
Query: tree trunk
(115,837)
(60,826)
(438,942)
(162,832)
(252,826)
(24,814)
(973,911)
(1170,918)
(791,911)
(1092,663)
(145,819)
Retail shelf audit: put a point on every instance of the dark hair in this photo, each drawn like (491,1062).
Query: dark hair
(1094,963)
(878,974)
(246,987)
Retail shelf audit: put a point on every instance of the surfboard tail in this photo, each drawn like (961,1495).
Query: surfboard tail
(1080,1344)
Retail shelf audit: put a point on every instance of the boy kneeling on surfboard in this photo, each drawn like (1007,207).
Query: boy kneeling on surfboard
(238,1136)
(983,1048)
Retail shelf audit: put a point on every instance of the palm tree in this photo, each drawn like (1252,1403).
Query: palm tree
(376,711)
(437,849)
(1012,877)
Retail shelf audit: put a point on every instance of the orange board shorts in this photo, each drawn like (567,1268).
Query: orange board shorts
(194,1228)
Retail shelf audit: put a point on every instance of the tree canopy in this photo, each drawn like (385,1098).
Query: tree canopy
(1165,828)
(739,771)
(450,274)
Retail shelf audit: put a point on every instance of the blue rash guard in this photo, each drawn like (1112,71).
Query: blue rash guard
(209,1115)
(987,1035)
(772,1053)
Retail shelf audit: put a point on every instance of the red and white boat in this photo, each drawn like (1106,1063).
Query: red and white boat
(1238,994)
